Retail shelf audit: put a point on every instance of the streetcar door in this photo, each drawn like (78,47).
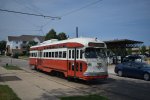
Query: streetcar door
(39,61)
(72,62)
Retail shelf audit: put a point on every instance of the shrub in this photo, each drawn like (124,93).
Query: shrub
(16,55)
(8,54)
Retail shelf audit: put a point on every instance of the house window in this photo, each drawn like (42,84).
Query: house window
(24,47)
(16,42)
(16,47)
(24,42)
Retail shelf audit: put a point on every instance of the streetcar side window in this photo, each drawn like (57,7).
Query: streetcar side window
(35,54)
(77,54)
(46,54)
(60,54)
(69,53)
(64,54)
(56,54)
(52,54)
(49,54)
(72,54)
(80,54)
(40,55)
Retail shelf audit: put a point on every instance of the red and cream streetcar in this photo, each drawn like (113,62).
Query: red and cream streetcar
(83,58)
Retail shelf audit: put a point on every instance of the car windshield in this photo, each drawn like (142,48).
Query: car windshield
(95,53)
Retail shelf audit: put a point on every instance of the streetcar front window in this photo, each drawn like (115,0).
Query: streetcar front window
(95,53)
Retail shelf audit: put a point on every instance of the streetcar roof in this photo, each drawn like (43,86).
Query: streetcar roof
(82,40)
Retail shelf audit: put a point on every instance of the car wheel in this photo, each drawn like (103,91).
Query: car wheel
(120,73)
(146,76)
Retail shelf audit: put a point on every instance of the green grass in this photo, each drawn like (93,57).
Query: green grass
(11,67)
(87,97)
(6,93)
(24,57)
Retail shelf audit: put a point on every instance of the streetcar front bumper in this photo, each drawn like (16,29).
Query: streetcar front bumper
(95,75)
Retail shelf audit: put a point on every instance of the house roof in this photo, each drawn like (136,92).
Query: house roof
(25,38)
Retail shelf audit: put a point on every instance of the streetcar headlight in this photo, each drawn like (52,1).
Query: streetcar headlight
(86,74)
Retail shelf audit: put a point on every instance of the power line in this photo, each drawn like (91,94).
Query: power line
(29,14)
(35,8)
(76,10)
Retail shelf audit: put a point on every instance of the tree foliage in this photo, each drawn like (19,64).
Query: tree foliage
(149,49)
(51,35)
(62,36)
(2,46)
(143,50)
(32,43)
(129,51)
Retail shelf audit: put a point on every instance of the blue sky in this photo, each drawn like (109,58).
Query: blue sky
(106,20)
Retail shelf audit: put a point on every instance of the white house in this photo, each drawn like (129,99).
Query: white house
(17,44)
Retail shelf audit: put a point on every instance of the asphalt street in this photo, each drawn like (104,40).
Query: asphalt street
(115,88)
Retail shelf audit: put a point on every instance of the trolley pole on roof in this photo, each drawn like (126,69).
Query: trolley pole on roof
(76,32)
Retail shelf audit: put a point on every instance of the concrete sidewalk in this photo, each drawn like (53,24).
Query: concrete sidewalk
(111,69)
(20,82)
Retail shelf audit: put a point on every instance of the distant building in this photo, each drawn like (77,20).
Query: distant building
(18,44)
(137,50)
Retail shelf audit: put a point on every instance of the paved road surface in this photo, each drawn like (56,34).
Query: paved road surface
(44,86)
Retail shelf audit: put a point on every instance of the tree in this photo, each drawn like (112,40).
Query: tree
(62,36)
(51,35)
(30,43)
(149,49)
(143,49)
(129,51)
(2,46)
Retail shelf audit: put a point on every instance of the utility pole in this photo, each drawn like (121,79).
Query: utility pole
(76,32)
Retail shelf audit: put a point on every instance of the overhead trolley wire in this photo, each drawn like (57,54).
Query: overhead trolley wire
(76,10)
(83,7)
(45,16)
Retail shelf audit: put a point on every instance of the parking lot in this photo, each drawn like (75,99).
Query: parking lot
(30,84)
